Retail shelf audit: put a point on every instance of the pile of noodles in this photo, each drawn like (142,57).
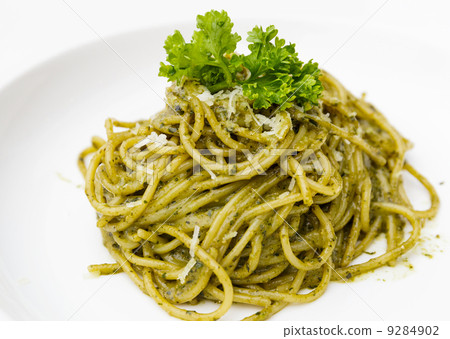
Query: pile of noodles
(213,200)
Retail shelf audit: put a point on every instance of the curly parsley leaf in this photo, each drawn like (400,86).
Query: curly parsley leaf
(204,58)
(178,57)
(277,76)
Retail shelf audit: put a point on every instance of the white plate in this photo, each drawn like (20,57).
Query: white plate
(48,232)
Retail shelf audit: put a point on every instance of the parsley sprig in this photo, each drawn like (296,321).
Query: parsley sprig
(277,76)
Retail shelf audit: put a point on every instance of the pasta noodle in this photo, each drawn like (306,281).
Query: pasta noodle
(216,201)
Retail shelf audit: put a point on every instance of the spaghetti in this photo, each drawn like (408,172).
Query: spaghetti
(214,200)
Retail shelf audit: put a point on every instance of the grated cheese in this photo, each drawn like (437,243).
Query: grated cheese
(231,96)
(338,156)
(191,263)
(206,97)
(299,108)
(183,274)
(232,100)
(278,124)
(256,120)
(195,241)
(263,120)
(160,139)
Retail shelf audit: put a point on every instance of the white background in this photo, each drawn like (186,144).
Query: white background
(31,32)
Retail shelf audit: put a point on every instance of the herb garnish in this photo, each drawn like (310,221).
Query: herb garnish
(276,75)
